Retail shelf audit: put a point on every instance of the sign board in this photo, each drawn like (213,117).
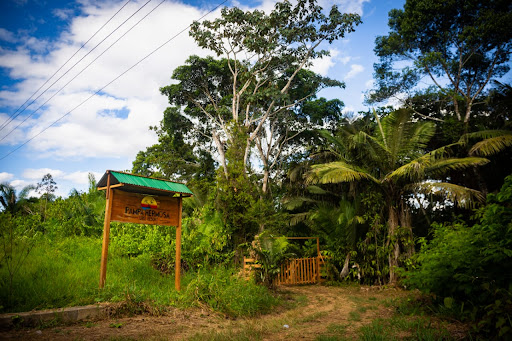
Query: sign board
(145,209)
(136,199)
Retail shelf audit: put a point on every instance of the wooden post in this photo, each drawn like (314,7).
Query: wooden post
(318,260)
(106,233)
(177,266)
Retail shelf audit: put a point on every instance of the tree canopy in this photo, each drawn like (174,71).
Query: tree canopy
(456,46)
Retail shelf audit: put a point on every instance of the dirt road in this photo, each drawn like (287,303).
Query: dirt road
(313,312)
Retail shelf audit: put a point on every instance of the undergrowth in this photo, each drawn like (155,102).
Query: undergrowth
(65,273)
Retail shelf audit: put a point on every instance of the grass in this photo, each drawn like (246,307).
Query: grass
(66,273)
(402,328)
(354,316)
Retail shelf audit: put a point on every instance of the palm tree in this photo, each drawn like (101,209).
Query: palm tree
(11,202)
(393,158)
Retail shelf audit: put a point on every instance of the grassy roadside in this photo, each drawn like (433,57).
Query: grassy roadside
(65,273)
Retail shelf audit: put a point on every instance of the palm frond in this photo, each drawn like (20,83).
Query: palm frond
(492,145)
(483,134)
(25,191)
(412,171)
(335,172)
(298,218)
(420,134)
(440,167)
(293,203)
(316,190)
(375,148)
(405,137)
(462,196)
(336,143)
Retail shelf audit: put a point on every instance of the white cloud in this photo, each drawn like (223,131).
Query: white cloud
(62,14)
(19,184)
(369,84)
(322,66)
(4,176)
(344,60)
(88,131)
(354,70)
(348,109)
(346,6)
(81,178)
(7,36)
(37,174)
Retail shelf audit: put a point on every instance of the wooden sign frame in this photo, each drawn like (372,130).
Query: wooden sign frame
(141,209)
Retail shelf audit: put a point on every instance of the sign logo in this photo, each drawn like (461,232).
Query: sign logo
(148,202)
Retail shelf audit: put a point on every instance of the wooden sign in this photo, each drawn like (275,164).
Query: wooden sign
(142,208)
(145,209)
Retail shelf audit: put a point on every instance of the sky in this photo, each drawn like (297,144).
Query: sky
(107,131)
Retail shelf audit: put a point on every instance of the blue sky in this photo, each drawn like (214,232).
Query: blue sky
(37,36)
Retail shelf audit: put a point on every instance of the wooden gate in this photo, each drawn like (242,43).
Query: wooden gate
(299,271)
(294,271)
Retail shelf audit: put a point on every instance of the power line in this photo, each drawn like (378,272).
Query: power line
(7,121)
(80,72)
(112,81)
(65,73)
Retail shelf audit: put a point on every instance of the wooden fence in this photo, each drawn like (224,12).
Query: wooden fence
(293,271)
(299,271)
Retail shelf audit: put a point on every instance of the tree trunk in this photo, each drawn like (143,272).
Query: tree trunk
(344,271)
(264,185)
(222,155)
(395,253)
(405,222)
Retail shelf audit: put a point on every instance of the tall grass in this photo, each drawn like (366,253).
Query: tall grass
(66,273)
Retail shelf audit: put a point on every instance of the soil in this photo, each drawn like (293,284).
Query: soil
(311,311)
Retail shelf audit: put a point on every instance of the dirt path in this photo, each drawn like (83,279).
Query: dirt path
(314,310)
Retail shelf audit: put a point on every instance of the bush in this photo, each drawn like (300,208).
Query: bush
(473,264)
(225,292)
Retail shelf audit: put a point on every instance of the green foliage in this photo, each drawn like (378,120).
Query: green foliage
(62,273)
(13,202)
(392,160)
(236,193)
(17,238)
(271,252)
(224,291)
(81,214)
(472,264)
(459,46)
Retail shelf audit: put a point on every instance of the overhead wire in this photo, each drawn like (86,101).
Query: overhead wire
(65,73)
(85,68)
(7,121)
(112,81)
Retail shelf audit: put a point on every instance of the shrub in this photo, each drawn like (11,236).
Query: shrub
(225,292)
(473,264)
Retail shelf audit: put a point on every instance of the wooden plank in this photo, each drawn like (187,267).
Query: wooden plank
(318,268)
(251,266)
(113,186)
(249,260)
(308,271)
(128,208)
(304,273)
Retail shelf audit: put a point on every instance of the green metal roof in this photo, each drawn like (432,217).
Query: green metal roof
(145,182)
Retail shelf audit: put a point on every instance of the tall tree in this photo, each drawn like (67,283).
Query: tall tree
(393,158)
(253,84)
(46,188)
(458,46)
